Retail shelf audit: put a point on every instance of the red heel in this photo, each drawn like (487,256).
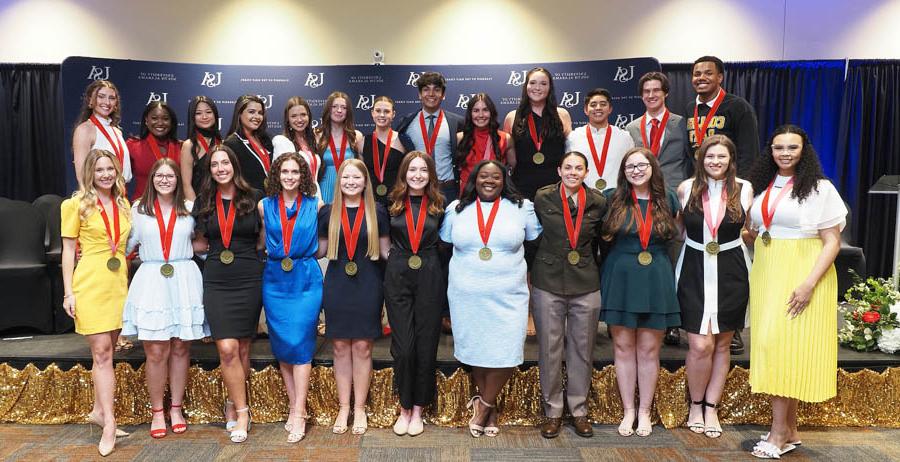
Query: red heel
(177,428)
(159,432)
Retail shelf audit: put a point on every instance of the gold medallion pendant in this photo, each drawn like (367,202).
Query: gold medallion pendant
(414,262)
(766,238)
(485,253)
(351,269)
(287,264)
(644,258)
(574,257)
(600,184)
(113,264)
(167,270)
(381,190)
(538,158)
(226,257)
(712,247)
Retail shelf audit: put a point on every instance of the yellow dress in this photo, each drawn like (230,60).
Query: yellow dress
(99,293)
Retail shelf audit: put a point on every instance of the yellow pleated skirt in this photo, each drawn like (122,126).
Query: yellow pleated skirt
(792,358)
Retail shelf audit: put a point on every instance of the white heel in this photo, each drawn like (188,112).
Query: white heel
(239,436)
(229,424)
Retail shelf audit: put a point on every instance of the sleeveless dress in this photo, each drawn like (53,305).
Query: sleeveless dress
(292,299)
(100,142)
(528,177)
(329,176)
(157,307)
(99,292)
(713,290)
(395,157)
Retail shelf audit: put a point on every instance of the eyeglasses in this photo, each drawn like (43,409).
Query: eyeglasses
(161,176)
(636,167)
(783,148)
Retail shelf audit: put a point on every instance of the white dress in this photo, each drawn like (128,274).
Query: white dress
(157,307)
(489,299)
(100,142)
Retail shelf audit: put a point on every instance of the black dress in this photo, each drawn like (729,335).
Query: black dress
(528,177)
(415,299)
(726,312)
(352,304)
(391,169)
(232,294)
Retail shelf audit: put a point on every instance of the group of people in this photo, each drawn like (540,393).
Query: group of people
(646,229)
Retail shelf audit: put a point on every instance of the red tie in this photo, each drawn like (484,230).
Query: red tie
(653,129)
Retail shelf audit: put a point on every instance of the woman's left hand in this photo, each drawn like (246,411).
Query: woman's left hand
(799,300)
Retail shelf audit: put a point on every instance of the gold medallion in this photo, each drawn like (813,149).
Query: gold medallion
(766,238)
(574,257)
(350,268)
(538,158)
(113,264)
(287,264)
(485,253)
(381,190)
(226,257)
(167,270)
(414,262)
(644,258)
(600,184)
(712,247)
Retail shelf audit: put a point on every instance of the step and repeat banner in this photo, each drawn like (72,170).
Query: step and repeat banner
(141,82)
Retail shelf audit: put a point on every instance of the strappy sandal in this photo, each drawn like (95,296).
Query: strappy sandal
(339,428)
(359,414)
(177,428)
(712,431)
(644,430)
(474,429)
(296,435)
(490,430)
(158,433)
(239,436)
(765,437)
(627,429)
(697,427)
(289,423)
(229,424)
(767,450)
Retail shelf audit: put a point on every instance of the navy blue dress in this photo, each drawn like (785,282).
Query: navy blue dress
(292,299)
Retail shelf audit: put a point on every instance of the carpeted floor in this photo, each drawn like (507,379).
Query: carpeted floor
(267,442)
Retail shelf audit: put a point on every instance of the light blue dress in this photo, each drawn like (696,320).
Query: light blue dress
(157,307)
(292,298)
(329,177)
(489,299)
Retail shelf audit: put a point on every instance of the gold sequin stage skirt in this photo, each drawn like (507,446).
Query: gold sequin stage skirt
(54,396)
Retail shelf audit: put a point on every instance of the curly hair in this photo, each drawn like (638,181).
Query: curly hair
(663,222)
(306,186)
(508,191)
(807,173)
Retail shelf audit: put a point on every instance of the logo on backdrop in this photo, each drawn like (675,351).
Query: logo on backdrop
(413,78)
(622,120)
(463,101)
(98,73)
(267,100)
(570,100)
(516,78)
(314,80)
(366,102)
(211,79)
(161,97)
(315,123)
(624,74)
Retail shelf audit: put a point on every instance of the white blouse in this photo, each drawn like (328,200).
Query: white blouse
(100,142)
(822,209)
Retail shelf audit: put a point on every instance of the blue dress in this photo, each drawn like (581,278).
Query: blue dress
(489,299)
(329,177)
(292,298)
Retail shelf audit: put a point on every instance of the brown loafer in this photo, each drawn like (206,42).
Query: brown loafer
(550,427)
(583,426)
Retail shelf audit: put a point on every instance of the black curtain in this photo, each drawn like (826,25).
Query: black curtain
(869,147)
(32,149)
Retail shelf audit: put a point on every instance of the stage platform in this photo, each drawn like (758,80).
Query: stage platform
(67,350)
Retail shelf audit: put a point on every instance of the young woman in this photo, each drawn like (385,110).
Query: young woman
(158,139)
(248,139)
(228,229)
(415,287)
(298,136)
(487,291)
(482,139)
(382,151)
(354,233)
(97,218)
(712,275)
(98,127)
(164,307)
(565,292)
(202,135)
(637,283)
(339,140)
(797,217)
(539,128)
(292,281)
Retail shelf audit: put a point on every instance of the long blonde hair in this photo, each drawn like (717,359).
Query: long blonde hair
(87,194)
(334,219)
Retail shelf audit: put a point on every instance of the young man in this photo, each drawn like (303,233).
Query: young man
(660,130)
(433,130)
(602,143)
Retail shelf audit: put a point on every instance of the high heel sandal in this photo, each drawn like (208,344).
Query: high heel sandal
(697,427)
(712,431)
(229,424)
(94,419)
(295,436)
(239,436)
(339,428)
(158,432)
(490,430)
(474,429)
(360,428)
(627,429)
(289,423)
(642,429)
(177,428)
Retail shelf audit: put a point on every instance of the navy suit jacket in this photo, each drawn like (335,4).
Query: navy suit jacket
(454,123)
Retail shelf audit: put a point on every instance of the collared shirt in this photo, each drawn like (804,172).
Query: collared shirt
(648,125)
(620,143)
(443,156)
(711,102)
